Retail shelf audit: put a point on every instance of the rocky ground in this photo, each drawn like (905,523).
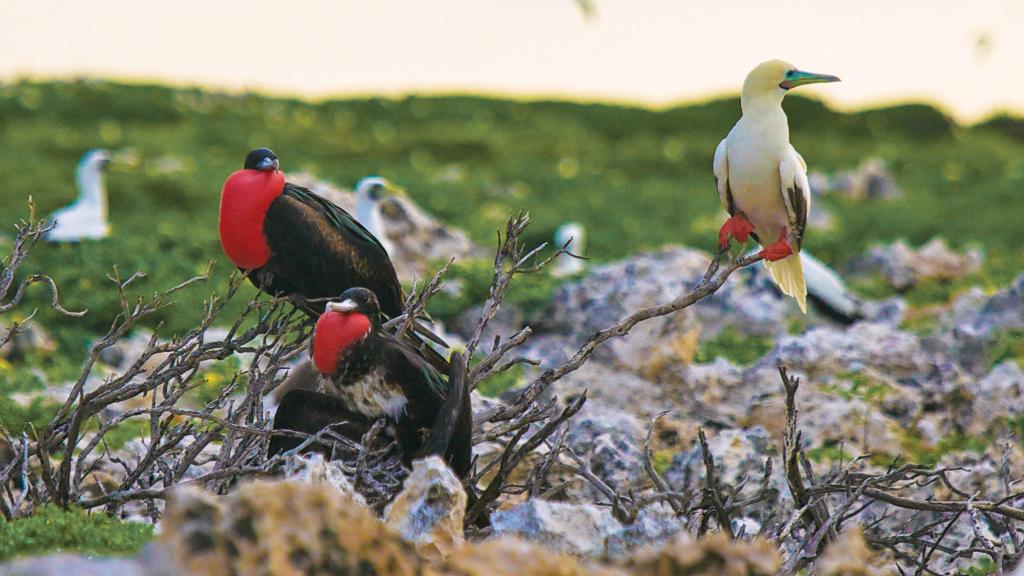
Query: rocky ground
(314,523)
(942,395)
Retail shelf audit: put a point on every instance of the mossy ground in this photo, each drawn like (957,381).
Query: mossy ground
(52,529)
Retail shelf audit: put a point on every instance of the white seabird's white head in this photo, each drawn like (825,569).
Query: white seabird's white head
(767,84)
(369,193)
(86,217)
(575,235)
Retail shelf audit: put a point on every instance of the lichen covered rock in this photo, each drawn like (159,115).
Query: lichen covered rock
(312,468)
(572,528)
(510,556)
(429,510)
(284,528)
(715,555)
(850,556)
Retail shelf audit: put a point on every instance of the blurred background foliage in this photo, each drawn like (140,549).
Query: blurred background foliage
(637,178)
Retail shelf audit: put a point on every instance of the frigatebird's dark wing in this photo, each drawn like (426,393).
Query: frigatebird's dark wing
(335,214)
(318,250)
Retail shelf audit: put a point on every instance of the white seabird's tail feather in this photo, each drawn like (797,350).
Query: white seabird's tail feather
(788,273)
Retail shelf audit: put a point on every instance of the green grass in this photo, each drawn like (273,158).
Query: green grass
(734,346)
(501,382)
(862,387)
(636,178)
(531,292)
(51,529)
(1008,345)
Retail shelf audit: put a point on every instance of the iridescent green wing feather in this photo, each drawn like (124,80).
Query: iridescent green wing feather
(335,214)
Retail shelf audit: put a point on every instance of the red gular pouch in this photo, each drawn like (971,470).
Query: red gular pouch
(334,333)
(244,201)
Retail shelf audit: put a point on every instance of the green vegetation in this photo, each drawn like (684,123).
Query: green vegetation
(531,292)
(18,378)
(635,177)
(733,346)
(52,529)
(830,451)
(662,459)
(1008,345)
(915,450)
(501,382)
(983,567)
(861,387)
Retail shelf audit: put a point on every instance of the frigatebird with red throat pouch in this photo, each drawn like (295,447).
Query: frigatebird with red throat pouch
(297,244)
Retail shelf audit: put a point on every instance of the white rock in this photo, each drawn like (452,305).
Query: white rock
(429,510)
(313,469)
(573,528)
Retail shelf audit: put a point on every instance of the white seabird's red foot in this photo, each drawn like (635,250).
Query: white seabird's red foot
(778,249)
(737,227)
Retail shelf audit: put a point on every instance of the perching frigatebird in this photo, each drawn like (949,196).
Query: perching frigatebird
(298,244)
(369,374)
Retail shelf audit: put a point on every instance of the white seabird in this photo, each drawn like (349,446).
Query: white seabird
(369,192)
(762,180)
(86,217)
(574,234)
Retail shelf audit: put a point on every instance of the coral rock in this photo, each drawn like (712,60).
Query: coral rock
(284,528)
(430,508)
(510,556)
(312,468)
(903,267)
(715,555)
(573,528)
(849,556)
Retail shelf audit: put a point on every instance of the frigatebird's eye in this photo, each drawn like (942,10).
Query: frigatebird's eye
(260,159)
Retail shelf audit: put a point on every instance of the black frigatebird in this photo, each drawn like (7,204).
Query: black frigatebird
(369,374)
(299,244)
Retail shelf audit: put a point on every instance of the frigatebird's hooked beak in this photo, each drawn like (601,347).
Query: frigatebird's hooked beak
(267,163)
(348,305)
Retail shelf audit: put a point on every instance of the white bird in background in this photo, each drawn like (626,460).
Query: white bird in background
(762,180)
(369,192)
(86,217)
(576,236)
(827,290)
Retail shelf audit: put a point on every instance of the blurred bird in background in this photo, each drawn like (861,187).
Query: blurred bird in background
(86,217)
(369,192)
(573,236)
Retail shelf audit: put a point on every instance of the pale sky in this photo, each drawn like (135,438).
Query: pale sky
(649,51)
